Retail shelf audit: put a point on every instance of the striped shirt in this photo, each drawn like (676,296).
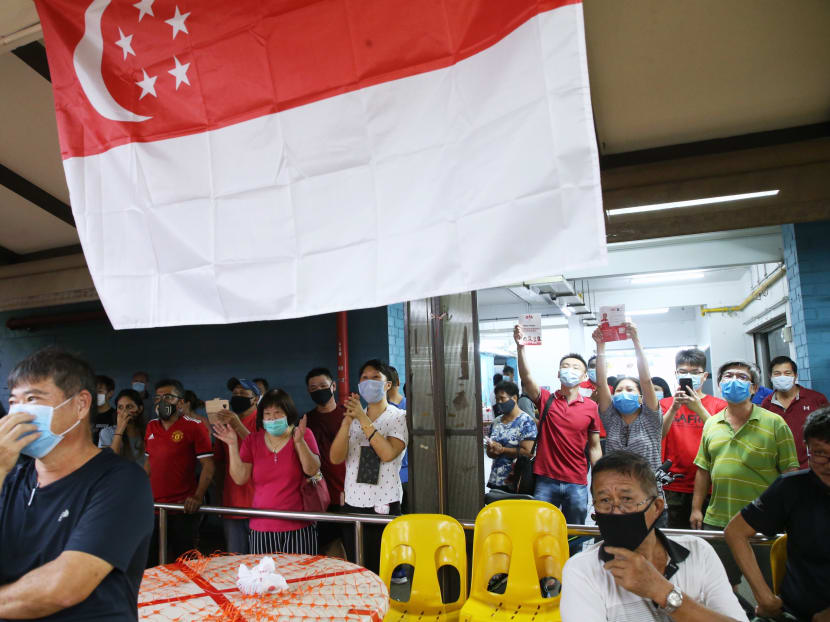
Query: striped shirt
(743,464)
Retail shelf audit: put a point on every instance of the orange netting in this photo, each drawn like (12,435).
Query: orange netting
(204,588)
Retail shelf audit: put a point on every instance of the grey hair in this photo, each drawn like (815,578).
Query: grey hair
(754,372)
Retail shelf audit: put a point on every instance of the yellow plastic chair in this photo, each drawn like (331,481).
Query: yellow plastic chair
(527,540)
(427,542)
(778,562)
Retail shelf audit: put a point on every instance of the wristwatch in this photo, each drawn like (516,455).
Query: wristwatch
(673,601)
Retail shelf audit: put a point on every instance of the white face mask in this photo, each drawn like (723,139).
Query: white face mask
(102,399)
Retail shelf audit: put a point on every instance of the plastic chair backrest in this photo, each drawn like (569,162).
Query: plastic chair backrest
(527,540)
(778,562)
(427,542)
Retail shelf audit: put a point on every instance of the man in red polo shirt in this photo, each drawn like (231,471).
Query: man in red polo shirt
(571,423)
(174,444)
(242,418)
(685,414)
(792,401)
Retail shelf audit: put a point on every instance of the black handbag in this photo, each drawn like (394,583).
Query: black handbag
(522,480)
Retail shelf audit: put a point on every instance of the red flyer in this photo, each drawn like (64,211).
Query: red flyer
(611,320)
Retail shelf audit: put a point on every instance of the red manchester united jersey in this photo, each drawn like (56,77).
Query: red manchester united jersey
(173,454)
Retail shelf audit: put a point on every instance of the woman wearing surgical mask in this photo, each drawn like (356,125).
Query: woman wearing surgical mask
(126,437)
(371,442)
(631,415)
(279,455)
(511,434)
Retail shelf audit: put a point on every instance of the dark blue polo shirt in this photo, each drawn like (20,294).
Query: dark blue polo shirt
(104,508)
(798,503)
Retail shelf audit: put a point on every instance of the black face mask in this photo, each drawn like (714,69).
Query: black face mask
(626,531)
(321,396)
(239,403)
(165,410)
(505,408)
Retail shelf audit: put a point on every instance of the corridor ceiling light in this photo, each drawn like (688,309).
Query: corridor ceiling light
(666,277)
(675,204)
(649,311)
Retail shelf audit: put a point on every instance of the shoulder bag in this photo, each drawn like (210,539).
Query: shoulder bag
(522,480)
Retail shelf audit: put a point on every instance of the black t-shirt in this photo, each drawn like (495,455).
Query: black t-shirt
(100,421)
(799,504)
(104,508)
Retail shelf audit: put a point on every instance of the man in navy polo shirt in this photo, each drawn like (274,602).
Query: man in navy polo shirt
(75,520)
(797,503)
(570,424)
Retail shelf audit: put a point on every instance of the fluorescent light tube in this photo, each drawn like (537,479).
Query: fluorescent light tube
(649,311)
(675,204)
(661,277)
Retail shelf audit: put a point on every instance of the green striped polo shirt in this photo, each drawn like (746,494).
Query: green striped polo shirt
(743,464)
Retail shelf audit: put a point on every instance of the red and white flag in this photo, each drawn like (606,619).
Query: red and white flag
(242,160)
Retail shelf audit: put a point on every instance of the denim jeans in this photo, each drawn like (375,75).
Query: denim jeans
(572,499)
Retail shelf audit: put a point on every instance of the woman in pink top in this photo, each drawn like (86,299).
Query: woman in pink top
(279,455)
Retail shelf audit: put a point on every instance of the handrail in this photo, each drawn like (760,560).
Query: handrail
(359,519)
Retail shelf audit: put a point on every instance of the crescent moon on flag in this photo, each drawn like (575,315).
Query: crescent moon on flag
(87,60)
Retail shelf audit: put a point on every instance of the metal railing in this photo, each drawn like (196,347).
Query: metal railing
(358,520)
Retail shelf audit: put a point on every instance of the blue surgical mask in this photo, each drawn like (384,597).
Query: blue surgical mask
(735,391)
(276,427)
(569,377)
(138,387)
(783,383)
(47,440)
(373,391)
(626,402)
(659,395)
(592,375)
(697,379)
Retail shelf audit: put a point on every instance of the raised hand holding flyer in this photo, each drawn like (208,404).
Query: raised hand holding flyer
(611,322)
(531,324)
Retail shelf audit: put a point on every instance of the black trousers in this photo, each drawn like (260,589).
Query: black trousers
(181,537)
(372,535)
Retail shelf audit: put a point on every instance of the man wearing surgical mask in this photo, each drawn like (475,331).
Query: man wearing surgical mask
(742,450)
(105,414)
(566,426)
(792,401)
(685,413)
(140,382)
(637,572)
(75,520)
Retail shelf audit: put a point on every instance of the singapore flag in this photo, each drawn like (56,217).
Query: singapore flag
(243,160)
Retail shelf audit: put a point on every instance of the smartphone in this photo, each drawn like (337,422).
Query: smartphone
(686,382)
(213,407)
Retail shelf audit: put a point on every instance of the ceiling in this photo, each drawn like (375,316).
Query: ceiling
(669,78)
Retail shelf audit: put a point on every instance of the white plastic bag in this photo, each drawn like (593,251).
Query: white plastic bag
(261,578)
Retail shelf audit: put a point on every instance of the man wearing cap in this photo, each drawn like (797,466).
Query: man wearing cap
(242,418)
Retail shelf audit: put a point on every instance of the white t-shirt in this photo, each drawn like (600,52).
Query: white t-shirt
(392,422)
(590,594)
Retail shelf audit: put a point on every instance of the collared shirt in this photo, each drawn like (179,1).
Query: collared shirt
(589,591)
(798,503)
(743,463)
(560,452)
(173,454)
(805,402)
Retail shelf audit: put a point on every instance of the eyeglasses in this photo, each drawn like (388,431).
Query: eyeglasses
(167,397)
(818,458)
(731,375)
(627,505)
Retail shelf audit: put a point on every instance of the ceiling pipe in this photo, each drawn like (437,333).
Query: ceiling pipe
(762,287)
(20,37)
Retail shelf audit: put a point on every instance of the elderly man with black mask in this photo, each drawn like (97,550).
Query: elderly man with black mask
(637,572)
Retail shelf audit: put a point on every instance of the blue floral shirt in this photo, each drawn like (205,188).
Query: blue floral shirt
(522,428)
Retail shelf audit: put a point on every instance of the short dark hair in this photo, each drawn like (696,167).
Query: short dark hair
(106,381)
(171,382)
(753,370)
(780,360)
(393,376)
(67,371)
(279,399)
(612,381)
(141,373)
(627,463)
(591,360)
(507,369)
(191,398)
(657,381)
(381,366)
(263,381)
(817,425)
(632,379)
(574,355)
(497,378)
(691,356)
(318,371)
(510,388)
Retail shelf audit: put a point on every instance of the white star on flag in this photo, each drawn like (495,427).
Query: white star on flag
(148,85)
(177,22)
(180,73)
(125,43)
(145,7)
